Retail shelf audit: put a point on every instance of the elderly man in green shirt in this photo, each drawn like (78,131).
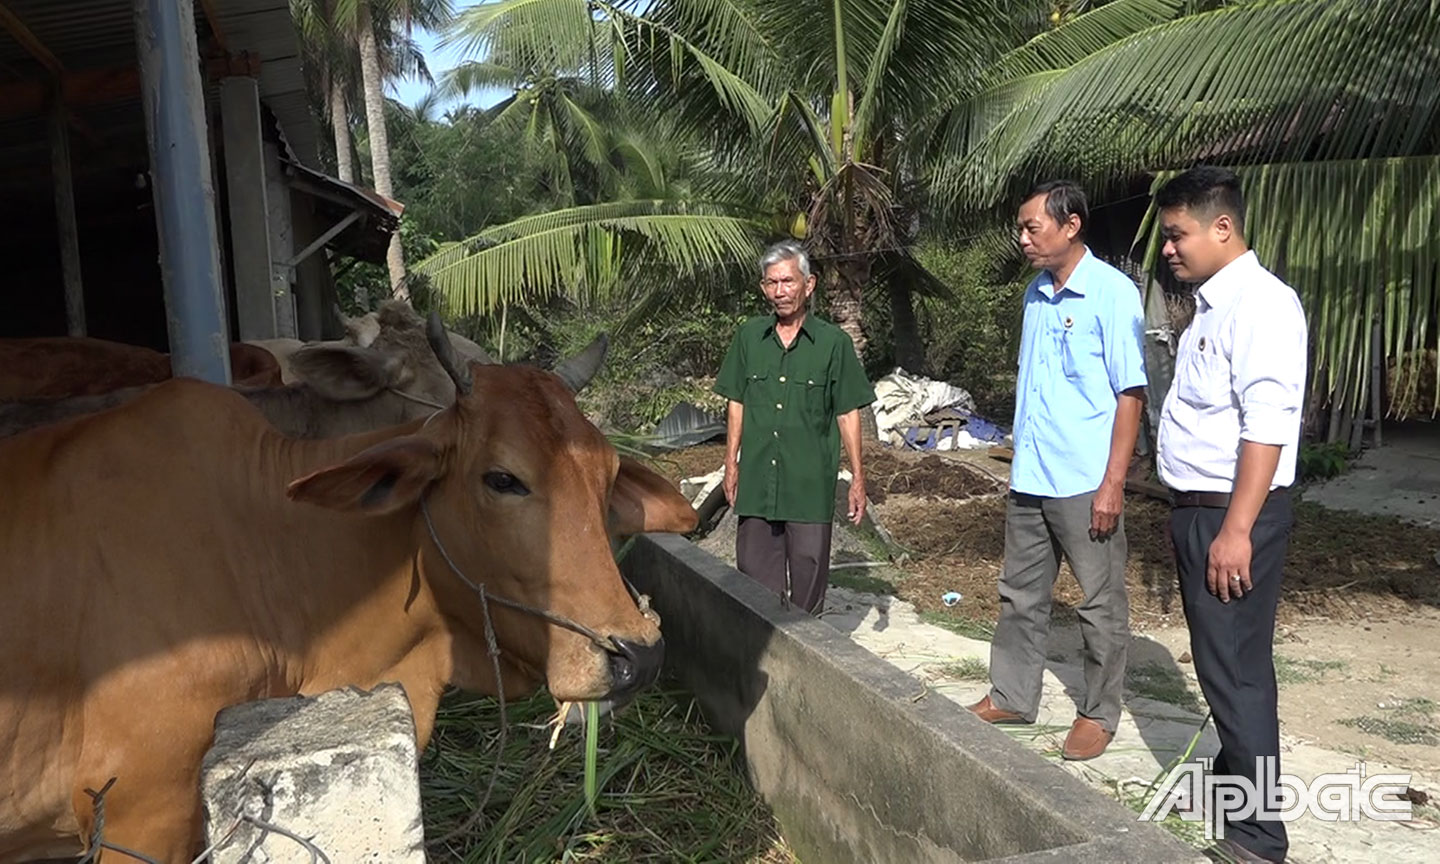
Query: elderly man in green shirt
(796,389)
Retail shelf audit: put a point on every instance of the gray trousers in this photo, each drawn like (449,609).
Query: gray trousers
(1037,531)
(769,551)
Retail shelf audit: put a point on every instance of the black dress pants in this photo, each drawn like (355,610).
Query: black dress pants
(1233,647)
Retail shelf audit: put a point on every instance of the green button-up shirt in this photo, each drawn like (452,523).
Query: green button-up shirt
(789,439)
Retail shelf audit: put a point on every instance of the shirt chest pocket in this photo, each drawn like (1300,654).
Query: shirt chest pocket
(815,394)
(1079,351)
(1203,379)
(758,387)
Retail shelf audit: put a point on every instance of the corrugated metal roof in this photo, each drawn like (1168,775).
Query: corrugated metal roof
(90,34)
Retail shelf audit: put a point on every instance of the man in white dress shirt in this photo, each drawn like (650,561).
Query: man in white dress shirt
(1228,435)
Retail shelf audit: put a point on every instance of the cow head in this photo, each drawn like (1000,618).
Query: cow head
(524,495)
(384,350)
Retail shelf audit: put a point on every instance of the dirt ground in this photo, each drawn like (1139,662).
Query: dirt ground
(1358,619)
(949,520)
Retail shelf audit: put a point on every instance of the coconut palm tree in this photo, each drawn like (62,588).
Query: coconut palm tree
(1328,111)
(372,26)
(333,65)
(814,108)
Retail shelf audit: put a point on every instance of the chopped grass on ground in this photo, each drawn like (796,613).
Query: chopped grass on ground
(967,669)
(1162,684)
(670,789)
(1291,671)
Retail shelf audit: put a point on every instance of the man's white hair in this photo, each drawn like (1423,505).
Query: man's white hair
(786,250)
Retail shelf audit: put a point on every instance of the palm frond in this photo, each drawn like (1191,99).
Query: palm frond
(668,58)
(531,35)
(1278,81)
(867,106)
(472,77)
(1357,240)
(588,252)
(1077,39)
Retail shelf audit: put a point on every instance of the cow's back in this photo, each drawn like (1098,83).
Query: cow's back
(54,368)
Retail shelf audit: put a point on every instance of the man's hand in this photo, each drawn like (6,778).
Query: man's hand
(857,499)
(1106,507)
(1229,557)
(1230,553)
(731,481)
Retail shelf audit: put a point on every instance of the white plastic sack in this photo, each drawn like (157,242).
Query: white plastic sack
(902,400)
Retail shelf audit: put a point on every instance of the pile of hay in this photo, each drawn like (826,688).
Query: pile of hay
(669,788)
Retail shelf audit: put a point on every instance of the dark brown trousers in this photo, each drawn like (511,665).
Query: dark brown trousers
(777,553)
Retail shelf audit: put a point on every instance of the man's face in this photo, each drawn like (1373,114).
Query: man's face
(1194,248)
(1043,240)
(785,288)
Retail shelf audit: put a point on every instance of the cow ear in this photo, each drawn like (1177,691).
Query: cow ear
(344,373)
(382,479)
(645,501)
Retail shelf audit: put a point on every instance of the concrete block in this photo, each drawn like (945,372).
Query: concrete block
(339,769)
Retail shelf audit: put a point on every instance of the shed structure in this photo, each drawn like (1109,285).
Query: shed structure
(160,179)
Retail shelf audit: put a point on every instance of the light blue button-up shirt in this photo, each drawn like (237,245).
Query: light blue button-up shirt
(1081,345)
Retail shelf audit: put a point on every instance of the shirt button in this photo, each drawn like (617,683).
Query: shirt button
(772,461)
(777,433)
(782,379)
(779,407)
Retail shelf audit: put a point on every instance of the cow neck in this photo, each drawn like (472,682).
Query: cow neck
(377,557)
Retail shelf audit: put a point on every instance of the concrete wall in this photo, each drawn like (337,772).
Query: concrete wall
(855,765)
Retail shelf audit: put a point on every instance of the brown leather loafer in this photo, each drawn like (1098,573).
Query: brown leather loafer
(1087,739)
(986,710)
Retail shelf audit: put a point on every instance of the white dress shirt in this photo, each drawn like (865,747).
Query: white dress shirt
(1239,375)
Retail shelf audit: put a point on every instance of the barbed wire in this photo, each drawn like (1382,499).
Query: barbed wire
(99,843)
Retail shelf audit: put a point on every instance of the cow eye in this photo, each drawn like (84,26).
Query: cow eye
(505,483)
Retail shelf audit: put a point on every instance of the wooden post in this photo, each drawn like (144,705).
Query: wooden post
(1357,416)
(65,225)
(1377,375)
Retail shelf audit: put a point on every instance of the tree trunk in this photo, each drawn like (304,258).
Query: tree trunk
(379,141)
(904,331)
(340,121)
(842,299)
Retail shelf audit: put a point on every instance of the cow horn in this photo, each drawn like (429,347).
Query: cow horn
(445,352)
(578,370)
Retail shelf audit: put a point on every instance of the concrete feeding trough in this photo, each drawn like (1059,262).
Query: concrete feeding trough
(855,766)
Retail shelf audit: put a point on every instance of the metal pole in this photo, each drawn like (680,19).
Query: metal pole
(183,187)
(68,233)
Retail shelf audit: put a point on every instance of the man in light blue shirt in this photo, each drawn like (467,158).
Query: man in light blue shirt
(1078,400)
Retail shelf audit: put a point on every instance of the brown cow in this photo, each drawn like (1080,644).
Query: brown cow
(343,388)
(63,366)
(177,555)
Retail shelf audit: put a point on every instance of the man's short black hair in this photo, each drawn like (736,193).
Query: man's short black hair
(1207,192)
(1063,199)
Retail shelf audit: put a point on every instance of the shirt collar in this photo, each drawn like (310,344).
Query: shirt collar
(1219,290)
(804,326)
(1078,277)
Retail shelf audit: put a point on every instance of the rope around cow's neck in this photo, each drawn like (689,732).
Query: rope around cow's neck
(492,647)
(420,400)
(604,642)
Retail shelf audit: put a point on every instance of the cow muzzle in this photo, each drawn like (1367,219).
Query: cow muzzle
(634,666)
